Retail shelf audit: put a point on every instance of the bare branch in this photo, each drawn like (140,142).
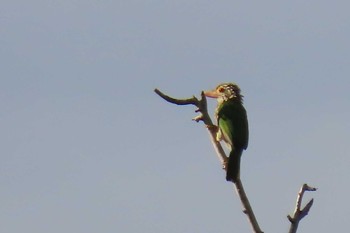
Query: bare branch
(247,208)
(203,116)
(212,129)
(300,213)
(172,100)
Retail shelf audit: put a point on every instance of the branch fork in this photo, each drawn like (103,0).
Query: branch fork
(300,213)
(203,116)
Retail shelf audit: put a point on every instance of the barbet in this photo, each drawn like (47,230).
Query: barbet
(232,124)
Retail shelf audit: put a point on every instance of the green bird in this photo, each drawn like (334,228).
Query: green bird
(232,124)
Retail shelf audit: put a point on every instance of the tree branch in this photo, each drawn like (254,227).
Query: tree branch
(300,213)
(204,116)
(247,208)
(172,100)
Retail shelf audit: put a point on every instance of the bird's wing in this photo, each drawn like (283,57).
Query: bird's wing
(233,123)
(226,127)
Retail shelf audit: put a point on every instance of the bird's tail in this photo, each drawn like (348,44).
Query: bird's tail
(233,165)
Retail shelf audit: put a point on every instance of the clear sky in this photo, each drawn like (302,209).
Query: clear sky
(86,145)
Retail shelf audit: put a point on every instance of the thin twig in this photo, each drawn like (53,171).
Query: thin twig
(300,213)
(172,100)
(204,116)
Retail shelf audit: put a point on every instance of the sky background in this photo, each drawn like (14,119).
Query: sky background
(87,146)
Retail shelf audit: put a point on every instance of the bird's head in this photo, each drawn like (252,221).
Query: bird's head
(224,92)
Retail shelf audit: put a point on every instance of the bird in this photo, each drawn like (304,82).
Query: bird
(232,125)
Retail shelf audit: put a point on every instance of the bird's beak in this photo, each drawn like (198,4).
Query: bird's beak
(211,94)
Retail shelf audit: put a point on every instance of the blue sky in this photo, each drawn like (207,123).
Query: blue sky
(86,146)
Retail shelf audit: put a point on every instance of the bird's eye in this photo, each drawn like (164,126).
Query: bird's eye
(221,89)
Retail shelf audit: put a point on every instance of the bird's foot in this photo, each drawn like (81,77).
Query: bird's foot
(212,128)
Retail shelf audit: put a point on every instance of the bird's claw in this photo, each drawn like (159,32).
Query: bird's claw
(212,128)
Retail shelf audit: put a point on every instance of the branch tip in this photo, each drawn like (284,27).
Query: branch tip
(193,100)
(198,118)
(300,213)
(290,219)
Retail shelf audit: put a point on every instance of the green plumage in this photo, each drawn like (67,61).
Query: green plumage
(233,125)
